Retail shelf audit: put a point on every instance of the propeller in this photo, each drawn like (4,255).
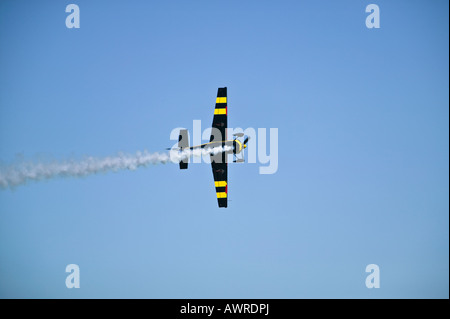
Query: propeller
(245,142)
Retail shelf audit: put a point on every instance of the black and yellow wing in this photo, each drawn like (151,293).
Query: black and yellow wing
(220,172)
(219,124)
(219,133)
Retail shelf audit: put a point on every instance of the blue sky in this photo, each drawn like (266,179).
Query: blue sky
(363,170)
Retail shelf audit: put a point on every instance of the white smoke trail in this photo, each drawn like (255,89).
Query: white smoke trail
(20,173)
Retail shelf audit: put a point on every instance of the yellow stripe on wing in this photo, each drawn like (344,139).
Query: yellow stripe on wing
(221,195)
(221,100)
(220,111)
(220,183)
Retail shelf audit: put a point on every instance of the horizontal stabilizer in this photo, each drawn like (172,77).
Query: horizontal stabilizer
(183,143)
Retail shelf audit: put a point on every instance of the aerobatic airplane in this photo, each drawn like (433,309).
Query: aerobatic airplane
(218,138)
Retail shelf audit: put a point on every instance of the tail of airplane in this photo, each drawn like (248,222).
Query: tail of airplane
(183,143)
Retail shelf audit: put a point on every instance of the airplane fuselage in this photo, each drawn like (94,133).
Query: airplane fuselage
(236,145)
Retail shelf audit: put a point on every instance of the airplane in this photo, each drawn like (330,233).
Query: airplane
(218,138)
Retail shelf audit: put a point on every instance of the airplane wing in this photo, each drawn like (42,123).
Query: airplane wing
(219,124)
(220,172)
(218,162)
